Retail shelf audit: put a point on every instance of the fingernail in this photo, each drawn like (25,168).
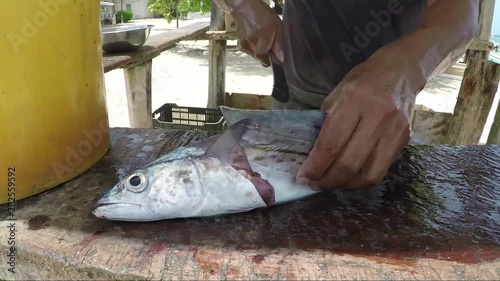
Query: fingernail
(315,187)
(303,180)
(307,182)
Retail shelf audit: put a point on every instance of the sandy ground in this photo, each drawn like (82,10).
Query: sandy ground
(180,75)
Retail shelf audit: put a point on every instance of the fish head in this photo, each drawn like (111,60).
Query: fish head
(161,190)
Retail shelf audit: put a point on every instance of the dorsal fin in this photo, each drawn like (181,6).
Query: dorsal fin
(226,144)
(228,150)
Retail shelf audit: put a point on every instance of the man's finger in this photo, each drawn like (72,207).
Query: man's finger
(278,48)
(263,46)
(334,134)
(384,155)
(354,155)
(246,46)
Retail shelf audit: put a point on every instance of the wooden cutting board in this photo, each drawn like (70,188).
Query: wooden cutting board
(437,218)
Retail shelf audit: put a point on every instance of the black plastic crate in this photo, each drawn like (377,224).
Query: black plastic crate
(172,116)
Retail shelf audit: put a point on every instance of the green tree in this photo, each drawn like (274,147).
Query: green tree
(168,8)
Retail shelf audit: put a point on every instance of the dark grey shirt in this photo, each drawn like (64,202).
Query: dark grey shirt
(327,38)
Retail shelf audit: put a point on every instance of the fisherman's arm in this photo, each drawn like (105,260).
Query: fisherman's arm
(439,43)
(369,112)
(260,30)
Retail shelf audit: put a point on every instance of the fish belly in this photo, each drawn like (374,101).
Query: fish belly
(225,191)
(279,169)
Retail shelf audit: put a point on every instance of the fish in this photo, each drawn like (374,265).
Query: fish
(252,164)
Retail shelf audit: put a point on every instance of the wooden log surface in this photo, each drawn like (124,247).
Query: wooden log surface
(475,98)
(436,219)
(154,46)
(216,60)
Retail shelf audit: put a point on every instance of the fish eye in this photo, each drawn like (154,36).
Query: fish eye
(136,182)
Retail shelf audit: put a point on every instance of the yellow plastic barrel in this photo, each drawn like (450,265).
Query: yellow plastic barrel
(53,117)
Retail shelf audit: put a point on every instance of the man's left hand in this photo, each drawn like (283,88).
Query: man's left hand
(366,127)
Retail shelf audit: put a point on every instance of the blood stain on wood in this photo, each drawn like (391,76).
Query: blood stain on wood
(207,261)
(157,247)
(258,259)
(232,271)
(87,240)
(397,262)
(38,222)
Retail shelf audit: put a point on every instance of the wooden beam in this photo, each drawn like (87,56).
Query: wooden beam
(494,136)
(216,60)
(154,46)
(138,85)
(477,92)
(481,45)
(221,35)
(431,126)
(230,23)
(456,69)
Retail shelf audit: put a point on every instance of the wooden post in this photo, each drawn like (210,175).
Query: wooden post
(486,10)
(216,60)
(477,92)
(494,136)
(138,85)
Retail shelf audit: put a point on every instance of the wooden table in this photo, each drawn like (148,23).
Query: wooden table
(138,69)
(441,221)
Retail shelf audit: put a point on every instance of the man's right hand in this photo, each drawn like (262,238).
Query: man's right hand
(260,30)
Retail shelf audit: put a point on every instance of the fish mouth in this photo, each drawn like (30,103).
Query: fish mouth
(114,210)
(103,204)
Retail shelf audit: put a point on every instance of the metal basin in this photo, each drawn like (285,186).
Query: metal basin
(124,38)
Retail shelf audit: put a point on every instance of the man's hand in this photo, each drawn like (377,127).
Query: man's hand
(260,30)
(366,128)
(369,112)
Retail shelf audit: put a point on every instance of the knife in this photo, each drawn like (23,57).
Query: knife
(280,85)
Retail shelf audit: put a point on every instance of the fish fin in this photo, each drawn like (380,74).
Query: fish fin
(226,146)
(281,125)
(265,190)
(274,117)
(278,130)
